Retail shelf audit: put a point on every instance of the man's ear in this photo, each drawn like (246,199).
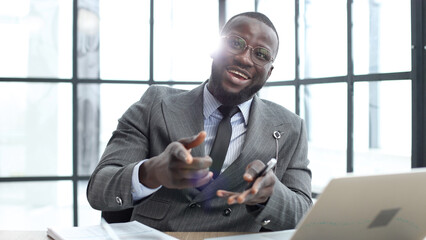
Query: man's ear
(270,71)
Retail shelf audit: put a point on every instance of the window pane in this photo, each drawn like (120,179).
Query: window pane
(115,100)
(322,38)
(36,38)
(36,205)
(124,34)
(88,39)
(184,42)
(233,7)
(87,216)
(35,129)
(283,95)
(100,107)
(281,14)
(324,108)
(381,36)
(382,126)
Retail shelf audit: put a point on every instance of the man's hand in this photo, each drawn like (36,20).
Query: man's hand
(176,167)
(260,191)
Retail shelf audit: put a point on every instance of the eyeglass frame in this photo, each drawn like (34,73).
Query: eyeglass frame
(251,50)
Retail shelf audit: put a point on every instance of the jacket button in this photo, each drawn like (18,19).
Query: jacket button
(193,205)
(119,201)
(227,212)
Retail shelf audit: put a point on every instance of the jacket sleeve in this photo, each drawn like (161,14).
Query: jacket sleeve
(109,186)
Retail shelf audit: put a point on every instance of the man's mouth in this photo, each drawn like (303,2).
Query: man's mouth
(239,74)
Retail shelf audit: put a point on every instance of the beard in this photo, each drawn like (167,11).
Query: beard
(229,98)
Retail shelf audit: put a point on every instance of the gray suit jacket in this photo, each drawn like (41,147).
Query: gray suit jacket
(164,115)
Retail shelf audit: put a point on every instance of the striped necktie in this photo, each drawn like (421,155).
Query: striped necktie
(222,139)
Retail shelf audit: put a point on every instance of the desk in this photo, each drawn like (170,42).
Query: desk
(41,235)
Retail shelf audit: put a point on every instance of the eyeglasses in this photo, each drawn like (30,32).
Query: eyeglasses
(236,45)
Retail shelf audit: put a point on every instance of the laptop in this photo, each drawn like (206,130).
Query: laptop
(384,206)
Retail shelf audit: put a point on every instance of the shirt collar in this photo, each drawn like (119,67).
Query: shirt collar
(210,104)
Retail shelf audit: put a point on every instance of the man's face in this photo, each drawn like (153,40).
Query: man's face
(235,78)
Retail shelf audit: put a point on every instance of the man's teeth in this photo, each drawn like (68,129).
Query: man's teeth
(239,74)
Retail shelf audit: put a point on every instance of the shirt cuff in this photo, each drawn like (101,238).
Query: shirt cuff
(139,190)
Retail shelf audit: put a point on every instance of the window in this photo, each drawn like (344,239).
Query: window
(325,117)
(322,38)
(34,128)
(381,36)
(382,126)
(37,39)
(353,70)
(182,40)
(115,38)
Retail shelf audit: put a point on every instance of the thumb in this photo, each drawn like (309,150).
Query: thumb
(193,141)
(252,170)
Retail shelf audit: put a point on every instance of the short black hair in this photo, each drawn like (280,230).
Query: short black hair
(256,15)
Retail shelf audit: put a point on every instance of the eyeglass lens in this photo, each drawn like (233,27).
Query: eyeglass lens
(259,55)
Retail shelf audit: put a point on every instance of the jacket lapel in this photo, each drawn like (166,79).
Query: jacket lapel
(183,114)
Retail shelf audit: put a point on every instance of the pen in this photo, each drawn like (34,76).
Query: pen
(268,167)
(112,235)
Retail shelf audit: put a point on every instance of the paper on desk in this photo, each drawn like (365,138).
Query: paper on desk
(278,235)
(125,231)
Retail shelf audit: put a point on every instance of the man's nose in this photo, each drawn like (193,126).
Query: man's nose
(245,57)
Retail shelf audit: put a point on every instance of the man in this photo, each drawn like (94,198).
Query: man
(157,161)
